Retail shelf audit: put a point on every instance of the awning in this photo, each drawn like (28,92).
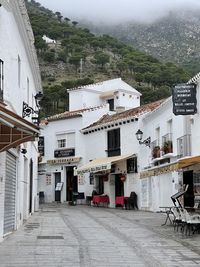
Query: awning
(108,94)
(15,130)
(100,164)
(175,166)
(186,162)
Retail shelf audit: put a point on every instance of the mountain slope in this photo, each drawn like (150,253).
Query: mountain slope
(174,38)
(80,57)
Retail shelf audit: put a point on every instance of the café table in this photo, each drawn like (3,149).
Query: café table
(97,199)
(167,211)
(120,200)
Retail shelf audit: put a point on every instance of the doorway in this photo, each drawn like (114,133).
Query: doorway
(119,186)
(57,180)
(189,195)
(71,182)
(30,185)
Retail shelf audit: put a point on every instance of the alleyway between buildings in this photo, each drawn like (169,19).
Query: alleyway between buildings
(62,235)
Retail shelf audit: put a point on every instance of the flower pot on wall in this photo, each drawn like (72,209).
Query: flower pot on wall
(123,177)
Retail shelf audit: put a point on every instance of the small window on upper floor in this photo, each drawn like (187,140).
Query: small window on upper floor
(28,91)
(1,80)
(61,143)
(19,71)
(111,104)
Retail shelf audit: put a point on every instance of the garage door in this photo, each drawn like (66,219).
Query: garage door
(10,191)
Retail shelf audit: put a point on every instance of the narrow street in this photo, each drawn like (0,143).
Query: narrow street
(60,235)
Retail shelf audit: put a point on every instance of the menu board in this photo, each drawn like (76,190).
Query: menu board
(184,99)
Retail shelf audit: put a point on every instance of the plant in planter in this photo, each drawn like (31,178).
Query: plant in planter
(156,152)
(167,147)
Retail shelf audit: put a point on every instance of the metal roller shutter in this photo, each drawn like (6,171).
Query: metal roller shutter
(10,191)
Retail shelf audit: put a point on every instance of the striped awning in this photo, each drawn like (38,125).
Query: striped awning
(15,130)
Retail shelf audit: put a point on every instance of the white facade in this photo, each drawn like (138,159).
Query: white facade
(123,95)
(87,105)
(48,40)
(21,83)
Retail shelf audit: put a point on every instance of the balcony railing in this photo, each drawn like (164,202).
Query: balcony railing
(184,146)
(114,152)
(1,80)
(155,149)
(167,144)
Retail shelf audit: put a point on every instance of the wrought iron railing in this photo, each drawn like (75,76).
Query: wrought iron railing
(184,146)
(167,144)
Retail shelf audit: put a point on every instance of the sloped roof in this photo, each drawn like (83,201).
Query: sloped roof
(194,79)
(114,84)
(71,114)
(128,114)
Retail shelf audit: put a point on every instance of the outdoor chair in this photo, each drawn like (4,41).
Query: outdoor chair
(192,222)
(177,218)
(131,202)
(80,197)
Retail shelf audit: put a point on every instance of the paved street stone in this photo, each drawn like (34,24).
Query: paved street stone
(62,236)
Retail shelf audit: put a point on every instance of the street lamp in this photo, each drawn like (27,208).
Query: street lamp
(27,110)
(139,135)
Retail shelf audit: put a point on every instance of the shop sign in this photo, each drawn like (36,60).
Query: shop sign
(62,161)
(184,99)
(160,170)
(62,153)
(41,145)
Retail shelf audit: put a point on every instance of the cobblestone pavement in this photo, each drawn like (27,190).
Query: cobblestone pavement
(62,235)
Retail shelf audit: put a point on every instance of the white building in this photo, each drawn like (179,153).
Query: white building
(19,84)
(69,147)
(48,40)
(173,159)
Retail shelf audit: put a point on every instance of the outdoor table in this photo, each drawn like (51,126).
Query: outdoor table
(168,211)
(120,200)
(100,199)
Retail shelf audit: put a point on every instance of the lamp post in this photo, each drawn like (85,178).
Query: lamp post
(139,135)
(27,110)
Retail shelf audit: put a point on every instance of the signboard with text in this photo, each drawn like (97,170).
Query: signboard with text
(60,153)
(184,99)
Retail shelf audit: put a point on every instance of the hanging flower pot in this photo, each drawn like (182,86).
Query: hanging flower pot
(123,177)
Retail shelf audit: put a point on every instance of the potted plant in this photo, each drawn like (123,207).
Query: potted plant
(167,147)
(156,152)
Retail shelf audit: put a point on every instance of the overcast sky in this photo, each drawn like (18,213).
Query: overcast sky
(117,10)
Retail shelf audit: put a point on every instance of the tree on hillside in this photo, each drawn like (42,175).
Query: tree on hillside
(101,58)
(74,23)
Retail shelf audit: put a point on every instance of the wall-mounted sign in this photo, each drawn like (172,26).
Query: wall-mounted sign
(63,153)
(48,179)
(62,161)
(41,145)
(184,99)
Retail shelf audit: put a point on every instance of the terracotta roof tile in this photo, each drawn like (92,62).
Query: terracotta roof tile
(72,114)
(131,113)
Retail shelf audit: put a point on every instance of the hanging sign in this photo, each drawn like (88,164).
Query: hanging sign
(184,99)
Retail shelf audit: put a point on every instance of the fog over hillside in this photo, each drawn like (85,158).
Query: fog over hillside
(118,11)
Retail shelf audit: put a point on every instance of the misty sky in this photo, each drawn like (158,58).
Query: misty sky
(117,11)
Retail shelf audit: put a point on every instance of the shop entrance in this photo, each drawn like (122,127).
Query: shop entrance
(71,182)
(189,195)
(119,186)
(57,180)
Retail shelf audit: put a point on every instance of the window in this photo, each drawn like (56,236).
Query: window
(1,79)
(19,71)
(111,104)
(132,165)
(28,91)
(61,143)
(114,143)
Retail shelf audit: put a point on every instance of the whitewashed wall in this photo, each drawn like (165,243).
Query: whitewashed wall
(12,46)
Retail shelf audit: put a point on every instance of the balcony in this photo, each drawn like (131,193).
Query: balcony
(114,152)
(167,144)
(156,151)
(184,146)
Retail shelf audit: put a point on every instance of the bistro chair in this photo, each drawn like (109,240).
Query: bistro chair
(131,202)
